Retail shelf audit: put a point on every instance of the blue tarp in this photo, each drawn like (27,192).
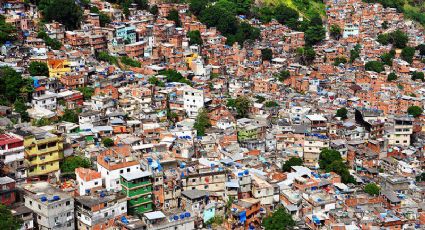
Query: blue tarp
(242,216)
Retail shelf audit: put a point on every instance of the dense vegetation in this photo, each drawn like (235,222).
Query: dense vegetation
(222,15)
(411,8)
(7,31)
(8,220)
(69,164)
(331,161)
(280,219)
(66,12)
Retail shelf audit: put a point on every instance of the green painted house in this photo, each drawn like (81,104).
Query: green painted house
(137,186)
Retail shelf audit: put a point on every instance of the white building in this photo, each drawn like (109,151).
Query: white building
(88,181)
(193,101)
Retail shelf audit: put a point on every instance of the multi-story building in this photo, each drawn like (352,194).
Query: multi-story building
(12,154)
(87,180)
(7,191)
(43,151)
(53,208)
(114,162)
(313,145)
(193,100)
(137,186)
(100,210)
(403,129)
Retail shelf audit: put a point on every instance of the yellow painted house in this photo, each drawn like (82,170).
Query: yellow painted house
(58,67)
(43,151)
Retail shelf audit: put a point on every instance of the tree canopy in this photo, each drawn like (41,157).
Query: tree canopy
(8,220)
(38,69)
(13,86)
(202,122)
(173,15)
(372,189)
(108,142)
(415,111)
(266,54)
(7,31)
(375,66)
(174,76)
(280,219)
(69,164)
(407,54)
(342,113)
(397,38)
(418,76)
(55,10)
(241,104)
(194,37)
(306,55)
(335,31)
(293,161)
(392,76)
(331,161)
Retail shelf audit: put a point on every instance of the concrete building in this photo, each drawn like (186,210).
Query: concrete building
(53,209)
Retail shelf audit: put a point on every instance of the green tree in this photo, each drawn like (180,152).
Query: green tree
(104,56)
(103,18)
(20,107)
(154,10)
(70,116)
(284,13)
(415,111)
(260,99)
(38,69)
(384,25)
(387,58)
(7,31)
(108,142)
(173,15)
(8,220)
(53,43)
(407,54)
(392,76)
(306,55)
(280,219)
(13,86)
(293,161)
(397,38)
(270,104)
(342,113)
(266,54)
(174,76)
(372,189)
(283,75)
(375,66)
(69,164)
(418,76)
(130,62)
(202,122)
(340,60)
(87,92)
(242,105)
(331,161)
(335,31)
(327,156)
(355,53)
(194,37)
(54,10)
(155,81)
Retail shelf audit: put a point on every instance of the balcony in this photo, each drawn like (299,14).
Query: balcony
(131,185)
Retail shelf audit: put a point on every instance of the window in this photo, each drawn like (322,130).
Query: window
(39,207)
(106,214)
(128,170)
(121,171)
(68,203)
(96,183)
